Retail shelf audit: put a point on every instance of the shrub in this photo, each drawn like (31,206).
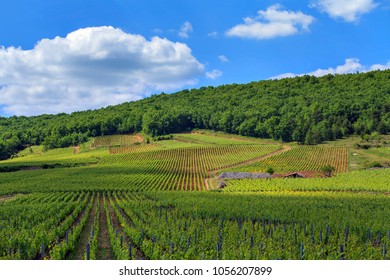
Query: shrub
(374,164)
(328,170)
(270,170)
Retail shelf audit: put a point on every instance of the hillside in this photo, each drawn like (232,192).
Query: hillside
(187,161)
(122,197)
(305,109)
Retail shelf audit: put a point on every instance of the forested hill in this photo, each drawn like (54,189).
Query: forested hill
(306,109)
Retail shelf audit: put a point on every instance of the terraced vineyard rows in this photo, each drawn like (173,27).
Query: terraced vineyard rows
(116,140)
(177,225)
(366,181)
(131,149)
(303,158)
(185,169)
(215,140)
(32,223)
(138,202)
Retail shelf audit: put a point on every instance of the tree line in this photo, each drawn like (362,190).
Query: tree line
(306,109)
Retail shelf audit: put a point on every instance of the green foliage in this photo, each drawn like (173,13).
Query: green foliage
(295,109)
(270,170)
(374,164)
(363,181)
(163,137)
(142,187)
(39,219)
(250,219)
(56,158)
(328,170)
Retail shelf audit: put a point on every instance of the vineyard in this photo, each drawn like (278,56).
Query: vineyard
(138,200)
(166,225)
(116,140)
(186,169)
(217,139)
(303,158)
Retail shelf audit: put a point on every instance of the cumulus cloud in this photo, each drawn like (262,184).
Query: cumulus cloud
(348,10)
(215,74)
(351,65)
(271,23)
(91,68)
(185,29)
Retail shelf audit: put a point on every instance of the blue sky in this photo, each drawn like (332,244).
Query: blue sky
(65,55)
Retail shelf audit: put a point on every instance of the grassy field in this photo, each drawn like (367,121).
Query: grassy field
(37,157)
(360,158)
(122,198)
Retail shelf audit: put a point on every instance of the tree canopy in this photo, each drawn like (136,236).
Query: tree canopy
(305,109)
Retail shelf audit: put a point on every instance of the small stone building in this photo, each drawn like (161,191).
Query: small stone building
(294,175)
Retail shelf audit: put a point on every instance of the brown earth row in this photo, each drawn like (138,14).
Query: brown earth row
(85,234)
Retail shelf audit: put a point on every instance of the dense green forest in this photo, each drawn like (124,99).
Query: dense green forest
(305,109)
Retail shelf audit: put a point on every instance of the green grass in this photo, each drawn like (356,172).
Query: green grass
(382,153)
(360,158)
(61,156)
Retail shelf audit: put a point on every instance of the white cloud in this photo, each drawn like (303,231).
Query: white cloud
(91,68)
(213,34)
(379,66)
(223,59)
(214,74)
(348,10)
(272,23)
(185,29)
(351,65)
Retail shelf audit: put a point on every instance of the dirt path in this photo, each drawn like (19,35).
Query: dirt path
(85,235)
(139,138)
(6,197)
(115,222)
(213,173)
(104,245)
(137,253)
(206,183)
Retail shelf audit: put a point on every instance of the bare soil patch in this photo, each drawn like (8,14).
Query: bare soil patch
(139,138)
(137,252)
(6,197)
(85,234)
(104,244)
